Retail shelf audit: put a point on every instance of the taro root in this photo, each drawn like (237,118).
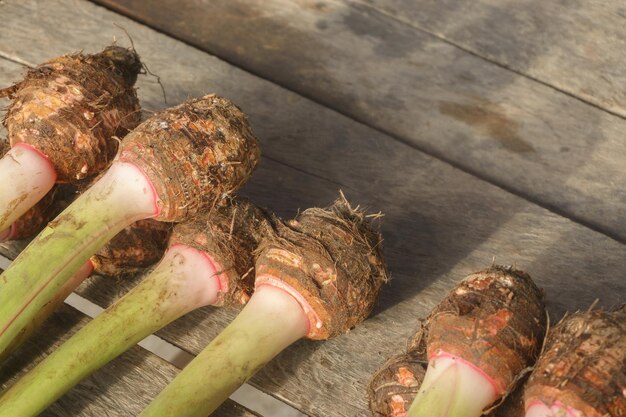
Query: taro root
(133,249)
(394,386)
(317,277)
(174,165)
(39,215)
(63,124)
(582,370)
(479,340)
(209,262)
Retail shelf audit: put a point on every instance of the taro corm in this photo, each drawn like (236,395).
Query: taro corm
(582,370)
(317,277)
(174,165)
(63,122)
(394,386)
(478,342)
(209,262)
(133,249)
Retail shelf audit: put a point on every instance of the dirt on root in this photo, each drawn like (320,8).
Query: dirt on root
(135,248)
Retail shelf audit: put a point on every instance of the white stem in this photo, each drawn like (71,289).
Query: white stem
(125,186)
(271,321)
(26,176)
(452,388)
(192,278)
(540,409)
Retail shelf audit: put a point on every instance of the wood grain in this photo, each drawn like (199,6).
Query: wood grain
(122,388)
(576,46)
(519,134)
(440,223)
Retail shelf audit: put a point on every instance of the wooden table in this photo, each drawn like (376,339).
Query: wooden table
(484,130)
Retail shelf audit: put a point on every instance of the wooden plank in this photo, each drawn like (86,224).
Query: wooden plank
(124,387)
(577,47)
(519,134)
(440,223)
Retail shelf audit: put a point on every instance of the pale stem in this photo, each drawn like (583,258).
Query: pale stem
(271,321)
(49,308)
(452,388)
(183,281)
(26,177)
(122,196)
(539,409)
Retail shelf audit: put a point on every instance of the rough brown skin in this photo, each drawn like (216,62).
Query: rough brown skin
(36,218)
(494,319)
(333,258)
(136,247)
(195,155)
(394,386)
(72,107)
(583,364)
(230,234)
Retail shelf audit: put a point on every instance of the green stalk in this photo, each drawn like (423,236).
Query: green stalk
(122,196)
(48,309)
(271,321)
(452,388)
(180,283)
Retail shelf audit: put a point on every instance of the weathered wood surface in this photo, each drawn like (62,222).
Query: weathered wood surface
(576,46)
(524,136)
(122,388)
(440,223)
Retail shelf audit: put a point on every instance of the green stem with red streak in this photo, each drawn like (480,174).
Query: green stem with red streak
(122,196)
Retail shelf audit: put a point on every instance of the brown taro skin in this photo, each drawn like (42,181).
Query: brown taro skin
(74,107)
(230,233)
(135,248)
(394,386)
(583,365)
(332,258)
(38,216)
(494,319)
(195,155)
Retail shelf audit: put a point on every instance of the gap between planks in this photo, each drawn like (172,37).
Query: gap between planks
(247,395)
(398,137)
